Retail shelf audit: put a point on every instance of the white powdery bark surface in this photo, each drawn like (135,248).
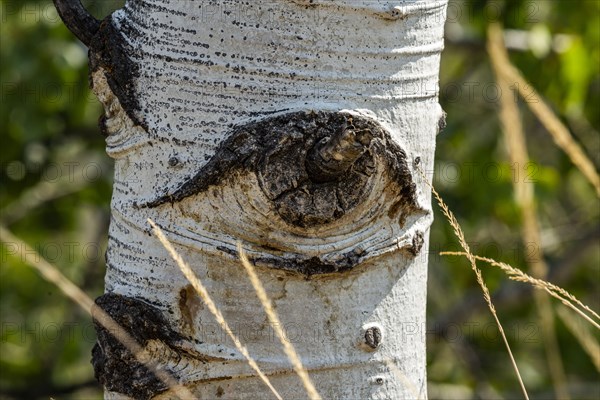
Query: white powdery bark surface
(205,66)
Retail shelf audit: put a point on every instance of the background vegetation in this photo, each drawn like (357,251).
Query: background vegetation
(55,185)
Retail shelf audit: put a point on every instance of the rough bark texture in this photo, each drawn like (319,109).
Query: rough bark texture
(115,367)
(293,127)
(78,20)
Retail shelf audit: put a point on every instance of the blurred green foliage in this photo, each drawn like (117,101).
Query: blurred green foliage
(56,184)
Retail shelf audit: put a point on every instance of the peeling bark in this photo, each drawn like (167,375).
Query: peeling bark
(293,127)
(109,53)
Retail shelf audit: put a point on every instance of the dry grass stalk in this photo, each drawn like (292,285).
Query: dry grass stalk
(486,293)
(212,307)
(583,336)
(52,274)
(555,291)
(288,348)
(559,132)
(524,195)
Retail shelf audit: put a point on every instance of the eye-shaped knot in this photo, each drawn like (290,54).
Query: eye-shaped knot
(313,192)
(314,166)
(321,166)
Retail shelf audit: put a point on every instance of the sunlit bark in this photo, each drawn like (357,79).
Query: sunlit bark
(294,127)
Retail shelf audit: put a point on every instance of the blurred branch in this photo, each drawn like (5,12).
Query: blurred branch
(561,270)
(558,131)
(582,334)
(515,40)
(37,195)
(587,135)
(79,21)
(65,175)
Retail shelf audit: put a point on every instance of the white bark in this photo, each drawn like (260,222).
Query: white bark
(203,67)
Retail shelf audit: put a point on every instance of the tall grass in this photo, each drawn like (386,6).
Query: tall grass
(512,129)
(458,232)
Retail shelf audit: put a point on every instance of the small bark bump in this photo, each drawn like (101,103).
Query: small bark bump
(173,161)
(442,123)
(417,244)
(333,156)
(373,337)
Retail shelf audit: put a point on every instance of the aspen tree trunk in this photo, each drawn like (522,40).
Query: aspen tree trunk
(295,128)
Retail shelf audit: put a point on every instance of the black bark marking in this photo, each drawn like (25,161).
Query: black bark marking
(315,166)
(442,123)
(307,266)
(77,19)
(417,244)
(373,337)
(189,305)
(173,161)
(114,366)
(102,124)
(311,266)
(110,52)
